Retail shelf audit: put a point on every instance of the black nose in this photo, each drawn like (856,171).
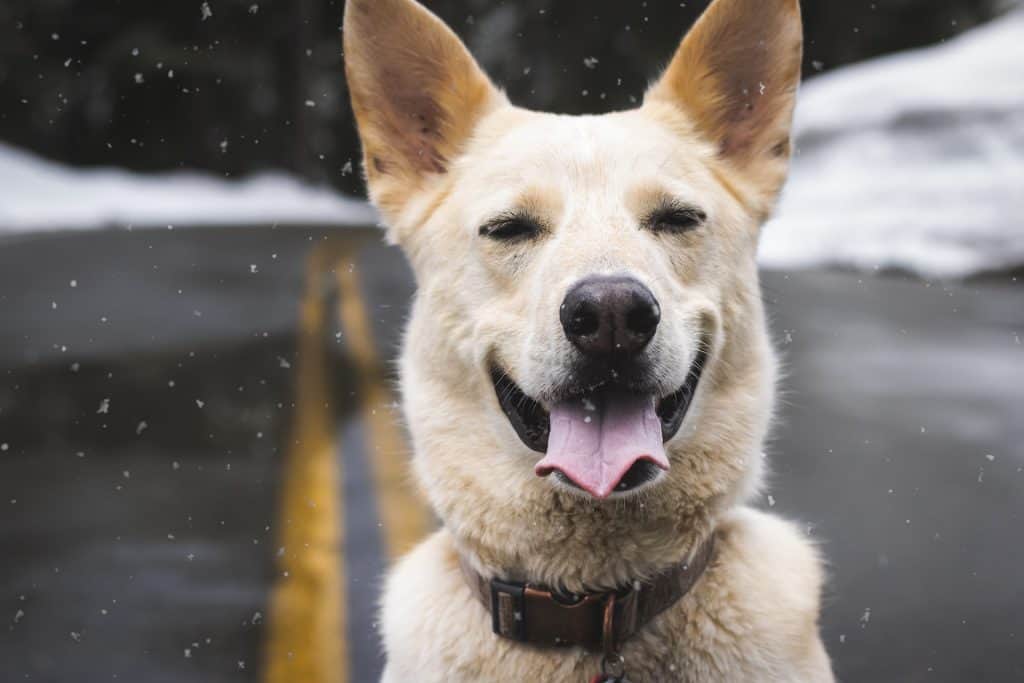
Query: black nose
(606,315)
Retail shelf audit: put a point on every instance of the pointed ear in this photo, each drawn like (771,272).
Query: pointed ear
(416,91)
(735,78)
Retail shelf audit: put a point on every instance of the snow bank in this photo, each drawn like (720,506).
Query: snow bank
(38,195)
(912,161)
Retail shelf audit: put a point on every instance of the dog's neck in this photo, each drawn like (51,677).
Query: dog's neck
(579,546)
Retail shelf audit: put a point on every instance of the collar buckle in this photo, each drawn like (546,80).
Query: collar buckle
(508,610)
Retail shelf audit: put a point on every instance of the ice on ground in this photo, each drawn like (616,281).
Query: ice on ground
(39,195)
(912,161)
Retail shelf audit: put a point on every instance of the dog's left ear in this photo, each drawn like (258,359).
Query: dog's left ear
(735,78)
(417,94)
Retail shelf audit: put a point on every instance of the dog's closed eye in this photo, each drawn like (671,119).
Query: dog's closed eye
(675,219)
(512,227)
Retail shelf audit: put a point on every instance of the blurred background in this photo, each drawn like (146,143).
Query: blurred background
(201,477)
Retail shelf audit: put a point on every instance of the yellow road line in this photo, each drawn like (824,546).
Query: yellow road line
(306,632)
(404,516)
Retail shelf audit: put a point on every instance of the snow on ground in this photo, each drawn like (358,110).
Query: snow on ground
(37,195)
(912,161)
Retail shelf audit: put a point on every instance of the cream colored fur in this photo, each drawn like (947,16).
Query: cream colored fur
(444,153)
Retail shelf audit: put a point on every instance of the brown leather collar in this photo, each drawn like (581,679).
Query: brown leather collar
(599,622)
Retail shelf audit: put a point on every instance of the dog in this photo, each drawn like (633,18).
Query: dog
(586,374)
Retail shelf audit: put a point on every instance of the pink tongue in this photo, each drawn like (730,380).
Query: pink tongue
(594,441)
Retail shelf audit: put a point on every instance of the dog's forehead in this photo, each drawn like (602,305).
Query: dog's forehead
(612,149)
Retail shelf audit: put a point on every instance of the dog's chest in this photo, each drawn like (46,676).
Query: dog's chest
(445,634)
(752,617)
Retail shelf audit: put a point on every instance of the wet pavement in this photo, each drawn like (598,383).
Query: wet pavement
(901,446)
(200,478)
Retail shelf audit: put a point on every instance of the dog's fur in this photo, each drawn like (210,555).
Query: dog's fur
(444,152)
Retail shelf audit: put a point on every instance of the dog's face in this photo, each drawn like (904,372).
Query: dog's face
(594,251)
(588,323)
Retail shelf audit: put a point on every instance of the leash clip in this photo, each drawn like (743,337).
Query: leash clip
(613,670)
(613,664)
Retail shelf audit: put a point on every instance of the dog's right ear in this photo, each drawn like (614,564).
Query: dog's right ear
(417,94)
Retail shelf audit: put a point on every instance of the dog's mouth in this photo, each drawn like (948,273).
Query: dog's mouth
(605,440)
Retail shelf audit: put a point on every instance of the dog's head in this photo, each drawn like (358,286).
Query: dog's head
(588,309)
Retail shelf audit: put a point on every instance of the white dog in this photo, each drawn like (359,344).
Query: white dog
(587,375)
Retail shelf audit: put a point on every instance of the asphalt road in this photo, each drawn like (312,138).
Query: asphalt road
(200,479)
